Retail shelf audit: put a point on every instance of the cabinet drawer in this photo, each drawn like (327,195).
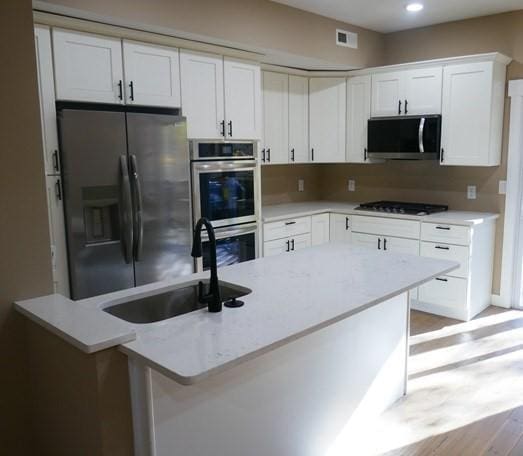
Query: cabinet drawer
(286,228)
(386,226)
(449,234)
(285,245)
(445,291)
(457,253)
(387,243)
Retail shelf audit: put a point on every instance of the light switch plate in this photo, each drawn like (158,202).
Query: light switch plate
(502,187)
(301,185)
(471,192)
(351,185)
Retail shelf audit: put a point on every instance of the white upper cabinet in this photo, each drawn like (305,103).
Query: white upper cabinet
(327,124)
(387,94)
(275,118)
(298,119)
(152,75)
(473,99)
(358,114)
(243,113)
(87,67)
(407,92)
(44,68)
(422,93)
(202,94)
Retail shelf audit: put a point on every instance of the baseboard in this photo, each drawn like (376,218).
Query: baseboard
(498,301)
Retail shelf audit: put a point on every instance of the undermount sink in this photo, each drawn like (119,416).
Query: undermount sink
(171,303)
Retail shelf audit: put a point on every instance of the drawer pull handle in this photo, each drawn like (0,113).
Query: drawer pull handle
(447,228)
(292,244)
(288,246)
(379,244)
(290,223)
(385,244)
(346,223)
(442,280)
(441,248)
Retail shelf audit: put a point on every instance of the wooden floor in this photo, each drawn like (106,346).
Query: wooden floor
(465,394)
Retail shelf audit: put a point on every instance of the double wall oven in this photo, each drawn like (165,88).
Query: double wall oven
(225,183)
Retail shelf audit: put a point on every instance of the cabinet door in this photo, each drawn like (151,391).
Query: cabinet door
(44,70)
(298,119)
(242,100)
(387,91)
(275,117)
(87,67)
(202,94)
(327,119)
(400,245)
(358,114)
(276,247)
(466,111)
(320,229)
(301,242)
(152,75)
(370,241)
(423,88)
(340,228)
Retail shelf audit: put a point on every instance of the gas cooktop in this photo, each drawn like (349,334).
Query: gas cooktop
(397,207)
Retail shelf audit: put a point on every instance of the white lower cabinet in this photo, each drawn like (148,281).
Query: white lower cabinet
(387,243)
(445,291)
(286,245)
(320,227)
(340,228)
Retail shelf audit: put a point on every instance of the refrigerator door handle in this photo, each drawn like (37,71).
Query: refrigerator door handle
(127,226)
(137,204)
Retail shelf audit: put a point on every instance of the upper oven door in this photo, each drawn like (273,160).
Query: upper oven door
(209,150)
(233,245)
(225,192)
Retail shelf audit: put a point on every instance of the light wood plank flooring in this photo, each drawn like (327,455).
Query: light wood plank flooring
(465,393)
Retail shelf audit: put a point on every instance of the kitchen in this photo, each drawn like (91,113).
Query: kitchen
(254,101)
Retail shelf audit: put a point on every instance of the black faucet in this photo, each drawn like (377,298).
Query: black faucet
(212,298)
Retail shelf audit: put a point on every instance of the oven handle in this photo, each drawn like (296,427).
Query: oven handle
(420,134)
(228,232)
(230,165)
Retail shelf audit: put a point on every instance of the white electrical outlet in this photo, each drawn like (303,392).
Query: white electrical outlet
(471,192)
(351,185)
(502,187)
(301,185)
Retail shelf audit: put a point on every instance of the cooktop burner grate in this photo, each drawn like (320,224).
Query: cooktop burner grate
(398,207)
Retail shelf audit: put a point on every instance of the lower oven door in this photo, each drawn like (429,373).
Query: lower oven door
(224,192)
(233,245)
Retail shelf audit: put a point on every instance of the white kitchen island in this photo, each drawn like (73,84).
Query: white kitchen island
(319,349)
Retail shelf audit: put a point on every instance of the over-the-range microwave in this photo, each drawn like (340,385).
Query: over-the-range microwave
(404,138)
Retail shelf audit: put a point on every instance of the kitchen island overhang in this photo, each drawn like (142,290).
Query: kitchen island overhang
(318,349)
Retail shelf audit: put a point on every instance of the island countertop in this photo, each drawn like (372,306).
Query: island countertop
(292,296)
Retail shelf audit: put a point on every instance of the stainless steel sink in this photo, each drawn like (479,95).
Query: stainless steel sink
(170,304)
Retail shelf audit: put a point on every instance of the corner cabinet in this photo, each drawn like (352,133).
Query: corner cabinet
(88,67)
(473,104)
(327,124)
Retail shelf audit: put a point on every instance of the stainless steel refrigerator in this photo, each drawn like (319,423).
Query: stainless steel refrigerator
(126,195)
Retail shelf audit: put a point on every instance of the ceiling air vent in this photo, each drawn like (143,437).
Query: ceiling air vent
(346,39)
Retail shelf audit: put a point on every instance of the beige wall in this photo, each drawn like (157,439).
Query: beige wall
(25,264)
(257,23)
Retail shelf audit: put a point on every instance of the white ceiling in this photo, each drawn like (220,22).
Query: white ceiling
(390,15)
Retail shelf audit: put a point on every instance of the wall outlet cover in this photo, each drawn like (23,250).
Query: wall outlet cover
(471,192)
(351,185)
(502,187)
(301,185)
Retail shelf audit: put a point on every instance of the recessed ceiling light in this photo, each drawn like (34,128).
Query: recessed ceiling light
(414,7)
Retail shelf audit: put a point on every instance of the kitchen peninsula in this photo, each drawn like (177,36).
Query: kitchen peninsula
(319,347)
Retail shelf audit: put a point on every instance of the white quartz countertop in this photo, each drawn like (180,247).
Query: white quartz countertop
(292,295)
(274,213)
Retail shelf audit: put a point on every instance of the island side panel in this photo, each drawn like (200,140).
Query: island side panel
(307,398)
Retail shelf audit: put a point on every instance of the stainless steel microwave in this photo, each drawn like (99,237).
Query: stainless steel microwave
(404,138)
